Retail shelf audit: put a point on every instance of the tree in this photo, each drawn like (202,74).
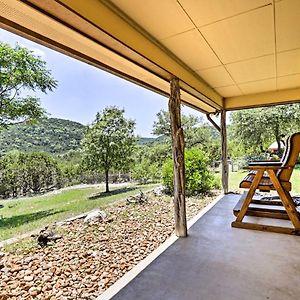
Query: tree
(21,71)
(163,127)
(148,161)
(42,171)
(22,173)
(257,128)
(197,133)
(109,142)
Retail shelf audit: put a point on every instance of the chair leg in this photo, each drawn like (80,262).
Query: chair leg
(250,195)
(286,199)
(267,228)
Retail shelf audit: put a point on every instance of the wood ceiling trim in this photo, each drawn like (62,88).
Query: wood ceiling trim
(263,99)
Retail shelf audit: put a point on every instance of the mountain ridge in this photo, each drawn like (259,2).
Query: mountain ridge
(52,135)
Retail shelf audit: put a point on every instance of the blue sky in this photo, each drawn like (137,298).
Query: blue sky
(84,90)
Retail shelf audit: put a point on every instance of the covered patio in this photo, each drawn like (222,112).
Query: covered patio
(219,262)
(214,56)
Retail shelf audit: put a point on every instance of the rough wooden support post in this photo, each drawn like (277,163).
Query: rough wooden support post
(224,152)
(178,159)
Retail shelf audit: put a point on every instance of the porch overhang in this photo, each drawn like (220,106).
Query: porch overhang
(227,54)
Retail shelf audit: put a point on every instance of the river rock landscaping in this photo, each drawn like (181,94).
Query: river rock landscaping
(90,257)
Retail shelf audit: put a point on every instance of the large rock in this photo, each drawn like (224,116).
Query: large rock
(95,216)
(159,191)
(45,236)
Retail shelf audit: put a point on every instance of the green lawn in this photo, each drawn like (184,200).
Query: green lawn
(24,215)
(236,177)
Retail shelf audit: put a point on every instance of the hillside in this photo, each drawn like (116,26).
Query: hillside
(51,135)
(148,140)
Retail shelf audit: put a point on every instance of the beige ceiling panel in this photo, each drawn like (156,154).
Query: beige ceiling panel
(216,77)
(160,18)
(287,82)
(242,37)
(287,24)
(204,12)
(229,91)
(288,62)
(253,69)
(258,86)
(192,49)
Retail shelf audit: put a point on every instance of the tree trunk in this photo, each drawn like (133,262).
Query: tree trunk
(224,152)
(278,140)
(106,182)
(277,135)
(178,159)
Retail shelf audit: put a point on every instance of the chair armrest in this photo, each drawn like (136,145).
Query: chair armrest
(265,163)
(267,167)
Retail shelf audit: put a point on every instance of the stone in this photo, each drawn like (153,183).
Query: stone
(28,278)
(95,216)
(33,291)
(159,191)
(91,258)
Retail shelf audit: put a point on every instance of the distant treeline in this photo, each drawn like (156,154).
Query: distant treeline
(28,173)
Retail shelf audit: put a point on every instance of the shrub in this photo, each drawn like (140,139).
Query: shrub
(198,178)
(145,172)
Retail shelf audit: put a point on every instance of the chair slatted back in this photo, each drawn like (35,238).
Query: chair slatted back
(289,157)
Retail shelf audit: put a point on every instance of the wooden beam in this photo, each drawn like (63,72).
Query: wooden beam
(213,122)
(224,153)
(263,99)
(178,158)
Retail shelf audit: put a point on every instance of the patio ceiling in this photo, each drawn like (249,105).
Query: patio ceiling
(227,54)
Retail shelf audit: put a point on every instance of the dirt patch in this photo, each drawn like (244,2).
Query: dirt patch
(90,258)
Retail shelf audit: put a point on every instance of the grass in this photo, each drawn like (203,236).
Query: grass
(20,216)
(236,177)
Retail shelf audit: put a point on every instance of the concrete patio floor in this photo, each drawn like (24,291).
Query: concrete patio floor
(217,262)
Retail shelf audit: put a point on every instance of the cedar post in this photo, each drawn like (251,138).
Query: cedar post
(224,152)
(178,158)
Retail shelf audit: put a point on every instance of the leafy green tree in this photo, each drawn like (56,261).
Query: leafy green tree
(148,161)
(11,174)
(23,173)
(257,128)
(21,71)
(109,143)
(197,133)
(145,171)
(162,125)
(42,171)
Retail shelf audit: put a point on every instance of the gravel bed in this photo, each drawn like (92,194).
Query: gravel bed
(90,258)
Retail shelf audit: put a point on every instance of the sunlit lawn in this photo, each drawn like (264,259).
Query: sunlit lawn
(236,177)
(23,215)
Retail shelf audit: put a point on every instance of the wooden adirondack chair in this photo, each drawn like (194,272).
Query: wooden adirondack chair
(267,176)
